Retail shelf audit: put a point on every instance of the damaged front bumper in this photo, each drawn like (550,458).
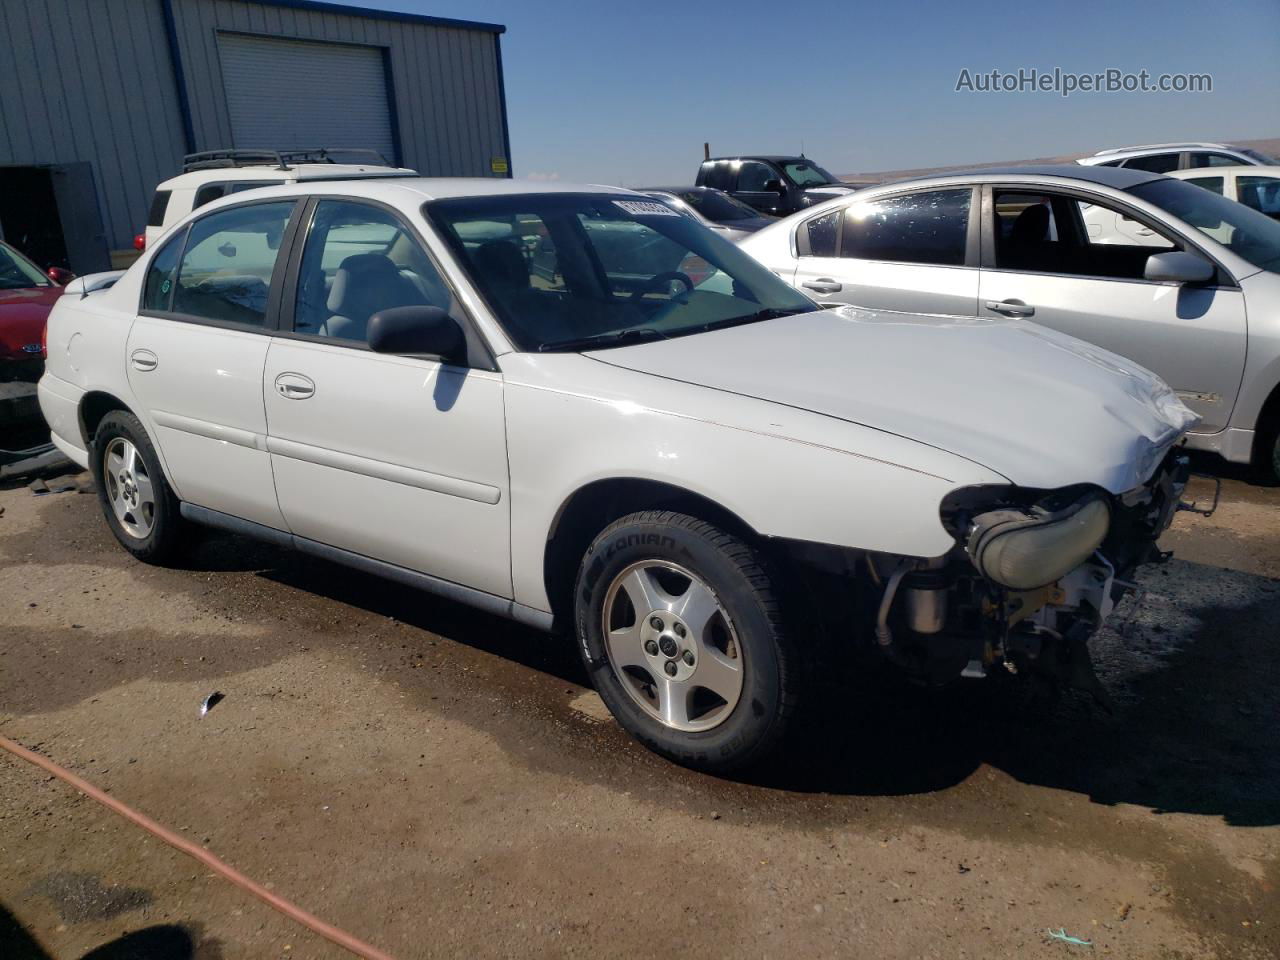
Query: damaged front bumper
(1033,576)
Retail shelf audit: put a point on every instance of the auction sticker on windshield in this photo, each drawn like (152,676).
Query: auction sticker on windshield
(645,208)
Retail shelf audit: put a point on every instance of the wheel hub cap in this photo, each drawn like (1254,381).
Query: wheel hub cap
(672,646)
(129,488)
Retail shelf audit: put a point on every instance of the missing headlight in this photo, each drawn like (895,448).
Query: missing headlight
(1027,547)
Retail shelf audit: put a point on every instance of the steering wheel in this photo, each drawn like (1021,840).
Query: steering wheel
(660,278)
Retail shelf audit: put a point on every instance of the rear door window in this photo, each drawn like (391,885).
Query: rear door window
(216,191)
(1261,193)
(929,227)
(753,175)
(1156,163)
(1203,159)
(227,265)
(1209,183)
(821,236)
(715,174)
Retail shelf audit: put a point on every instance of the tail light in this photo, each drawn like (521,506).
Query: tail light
(140,242)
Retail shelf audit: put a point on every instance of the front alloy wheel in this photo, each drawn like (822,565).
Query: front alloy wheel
(682,636)
(672,646)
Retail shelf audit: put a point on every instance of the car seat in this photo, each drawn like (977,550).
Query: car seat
(364,284)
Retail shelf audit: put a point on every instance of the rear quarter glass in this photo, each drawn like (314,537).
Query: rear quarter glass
(159,203)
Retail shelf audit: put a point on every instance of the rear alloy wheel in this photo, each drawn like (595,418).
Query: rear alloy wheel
(136,500)
(129,488)
(683,638)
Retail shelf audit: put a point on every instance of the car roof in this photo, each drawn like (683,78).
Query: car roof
(1119,178)
(773,157)
(421,189)
(294,171)
(1128,153)
(677,189)
(1240,169)
(1182,145)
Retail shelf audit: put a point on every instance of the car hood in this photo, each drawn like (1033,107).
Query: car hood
(1040,408)
(746,226)
(22,317)
(827,191)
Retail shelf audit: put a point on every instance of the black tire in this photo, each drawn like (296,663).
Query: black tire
(161,541)
(1267,462)
(745,732)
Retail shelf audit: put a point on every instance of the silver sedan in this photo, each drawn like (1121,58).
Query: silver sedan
(1148,267)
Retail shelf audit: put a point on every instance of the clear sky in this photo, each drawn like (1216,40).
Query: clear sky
(627,92)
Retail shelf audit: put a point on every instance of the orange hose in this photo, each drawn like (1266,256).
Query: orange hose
(294,912)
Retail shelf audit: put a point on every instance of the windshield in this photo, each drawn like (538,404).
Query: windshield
(1245,232)
(586,271)
(718,206)
(1261,157)
(17,272)
(805,174)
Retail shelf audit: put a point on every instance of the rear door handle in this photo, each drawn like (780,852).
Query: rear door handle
(1011,308)
(822,285)
(294,386)
(144,360)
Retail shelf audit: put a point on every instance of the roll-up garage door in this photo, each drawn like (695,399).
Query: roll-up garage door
(294,94)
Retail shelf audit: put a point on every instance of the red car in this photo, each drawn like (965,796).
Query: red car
(27,294)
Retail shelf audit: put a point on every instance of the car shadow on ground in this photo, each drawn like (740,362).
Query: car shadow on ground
(159,942)
(1194,733)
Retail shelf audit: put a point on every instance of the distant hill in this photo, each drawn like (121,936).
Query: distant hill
(1270,147)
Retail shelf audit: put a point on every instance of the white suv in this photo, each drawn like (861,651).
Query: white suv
(213,174)
(578,408)
(1165,157)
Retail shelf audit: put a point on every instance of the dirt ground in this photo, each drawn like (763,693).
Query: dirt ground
(441,783)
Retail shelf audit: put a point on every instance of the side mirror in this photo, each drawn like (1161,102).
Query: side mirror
(418,331)
(1178,266)
(775,186)
(60,275)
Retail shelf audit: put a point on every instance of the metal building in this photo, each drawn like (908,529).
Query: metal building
(100,100)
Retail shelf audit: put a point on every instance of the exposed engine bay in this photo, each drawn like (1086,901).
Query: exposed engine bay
(1034,574)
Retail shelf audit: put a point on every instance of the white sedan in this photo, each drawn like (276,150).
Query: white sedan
(577,408)
(1254,186)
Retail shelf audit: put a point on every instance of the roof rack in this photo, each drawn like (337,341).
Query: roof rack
(1159,146)
(278,159)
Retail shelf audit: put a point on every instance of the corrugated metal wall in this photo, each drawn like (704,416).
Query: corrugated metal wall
(92,80)
(445,80)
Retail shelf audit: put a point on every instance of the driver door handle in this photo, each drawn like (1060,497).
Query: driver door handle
(294,386)
(1011,308)
(822,285)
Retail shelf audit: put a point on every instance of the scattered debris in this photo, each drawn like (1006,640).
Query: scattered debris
(1061,934)
(38,487)
(1124,911)
(211,701)
(46,460)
